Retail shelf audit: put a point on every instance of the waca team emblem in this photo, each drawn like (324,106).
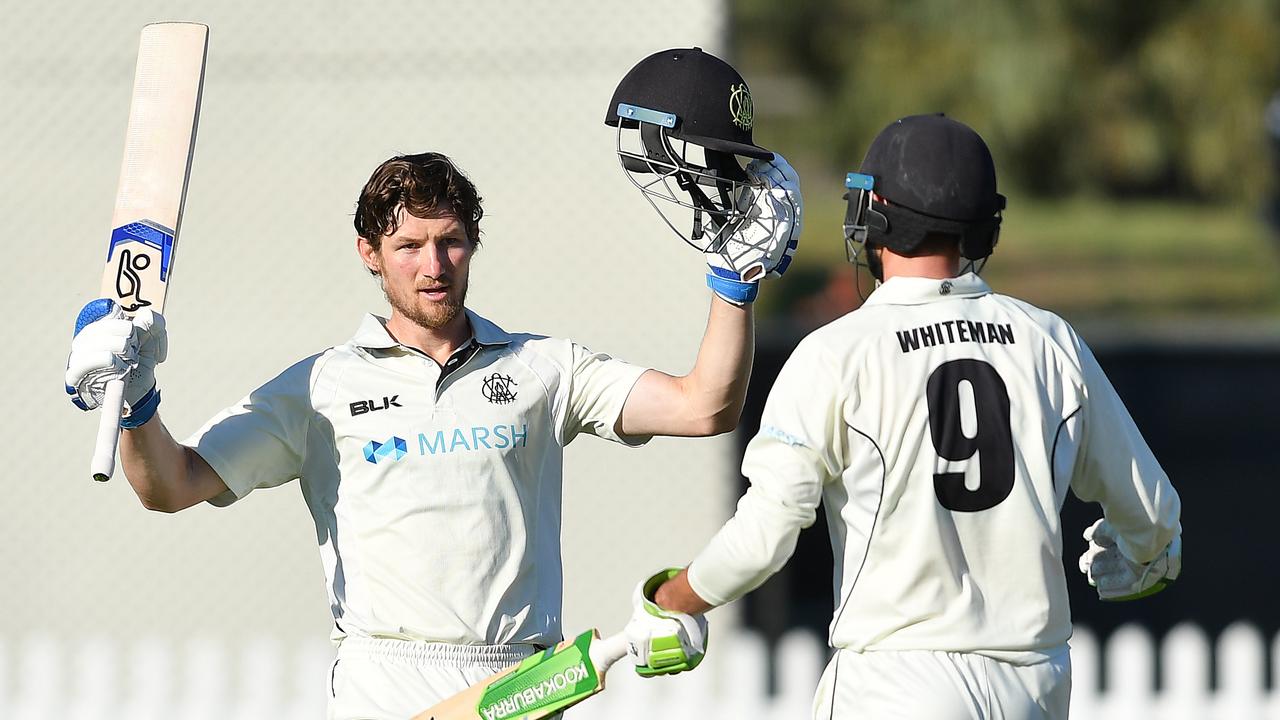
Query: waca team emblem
(499,389)
(741,108)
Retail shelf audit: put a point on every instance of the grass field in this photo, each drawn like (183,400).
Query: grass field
(1096,259)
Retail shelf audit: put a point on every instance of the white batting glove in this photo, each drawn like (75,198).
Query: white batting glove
(1117,577)
(764,242)
(109,346)
(663,642)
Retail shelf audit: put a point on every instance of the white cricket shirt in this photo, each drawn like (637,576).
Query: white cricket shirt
(436,499)
(940,425)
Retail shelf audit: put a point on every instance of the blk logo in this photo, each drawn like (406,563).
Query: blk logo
(391,450)
(499,389)
(361,407)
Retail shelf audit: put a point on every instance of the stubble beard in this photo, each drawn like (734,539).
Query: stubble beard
(435,315)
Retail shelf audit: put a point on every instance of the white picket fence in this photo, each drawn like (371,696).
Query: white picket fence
(201,679)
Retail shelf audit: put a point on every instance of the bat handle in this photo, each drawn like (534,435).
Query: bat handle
(608,651)
(104,451)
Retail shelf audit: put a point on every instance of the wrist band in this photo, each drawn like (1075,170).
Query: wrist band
(142,411)
(734,291)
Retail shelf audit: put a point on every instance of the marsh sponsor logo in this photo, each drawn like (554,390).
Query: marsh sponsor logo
(557,687)
(391,450)
(471,439)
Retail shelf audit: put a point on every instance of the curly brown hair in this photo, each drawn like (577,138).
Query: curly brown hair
(427,185)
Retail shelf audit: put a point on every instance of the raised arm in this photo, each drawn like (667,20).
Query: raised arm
(708,400)
(166,475)
(109,346)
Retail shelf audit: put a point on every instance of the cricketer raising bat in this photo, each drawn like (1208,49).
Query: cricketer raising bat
(540,685)
(158,148)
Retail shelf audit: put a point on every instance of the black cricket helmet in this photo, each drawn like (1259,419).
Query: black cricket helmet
(693,115)
(924,175)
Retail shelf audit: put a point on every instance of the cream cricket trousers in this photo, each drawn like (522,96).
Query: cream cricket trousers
(929,685)
(374,679)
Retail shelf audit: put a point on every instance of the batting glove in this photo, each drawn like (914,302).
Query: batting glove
(109,346)
(663,642)
(1117,577)
(765,240)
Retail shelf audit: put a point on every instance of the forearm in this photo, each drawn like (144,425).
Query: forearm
(716,387)
(1117,468)
(706,401)
(786,490)
(161,471)
(751,547)
(1144,529)
(748,550)
(676,594)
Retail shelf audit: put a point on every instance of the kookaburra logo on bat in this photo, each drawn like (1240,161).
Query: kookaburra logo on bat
(139,245)
(129,280)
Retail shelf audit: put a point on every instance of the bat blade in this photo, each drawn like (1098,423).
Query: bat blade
(539,686)
(159,146)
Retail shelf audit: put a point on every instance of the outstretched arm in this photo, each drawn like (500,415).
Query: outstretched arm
(708,400)
(787,476)
(788,463)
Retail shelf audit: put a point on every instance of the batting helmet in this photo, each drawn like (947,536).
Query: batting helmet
(924,175)
(679,101)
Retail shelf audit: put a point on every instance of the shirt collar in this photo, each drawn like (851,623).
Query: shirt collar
(372,333)
(919,290)
(485,332)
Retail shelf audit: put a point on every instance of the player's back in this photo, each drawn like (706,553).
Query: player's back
(956,405)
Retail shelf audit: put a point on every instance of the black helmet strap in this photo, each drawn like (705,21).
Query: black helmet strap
(903,230)
(663,158)
(869,224)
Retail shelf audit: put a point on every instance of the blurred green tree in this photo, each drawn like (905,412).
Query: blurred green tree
(1161,98)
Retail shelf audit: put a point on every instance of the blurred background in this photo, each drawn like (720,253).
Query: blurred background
(1139,147)
(1138,143)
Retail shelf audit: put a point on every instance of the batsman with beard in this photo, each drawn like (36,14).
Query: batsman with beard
(428,447)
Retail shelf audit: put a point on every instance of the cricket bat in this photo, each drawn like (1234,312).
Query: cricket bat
(158,148)
(540,685)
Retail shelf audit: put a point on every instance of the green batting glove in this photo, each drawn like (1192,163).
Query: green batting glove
(663,642)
